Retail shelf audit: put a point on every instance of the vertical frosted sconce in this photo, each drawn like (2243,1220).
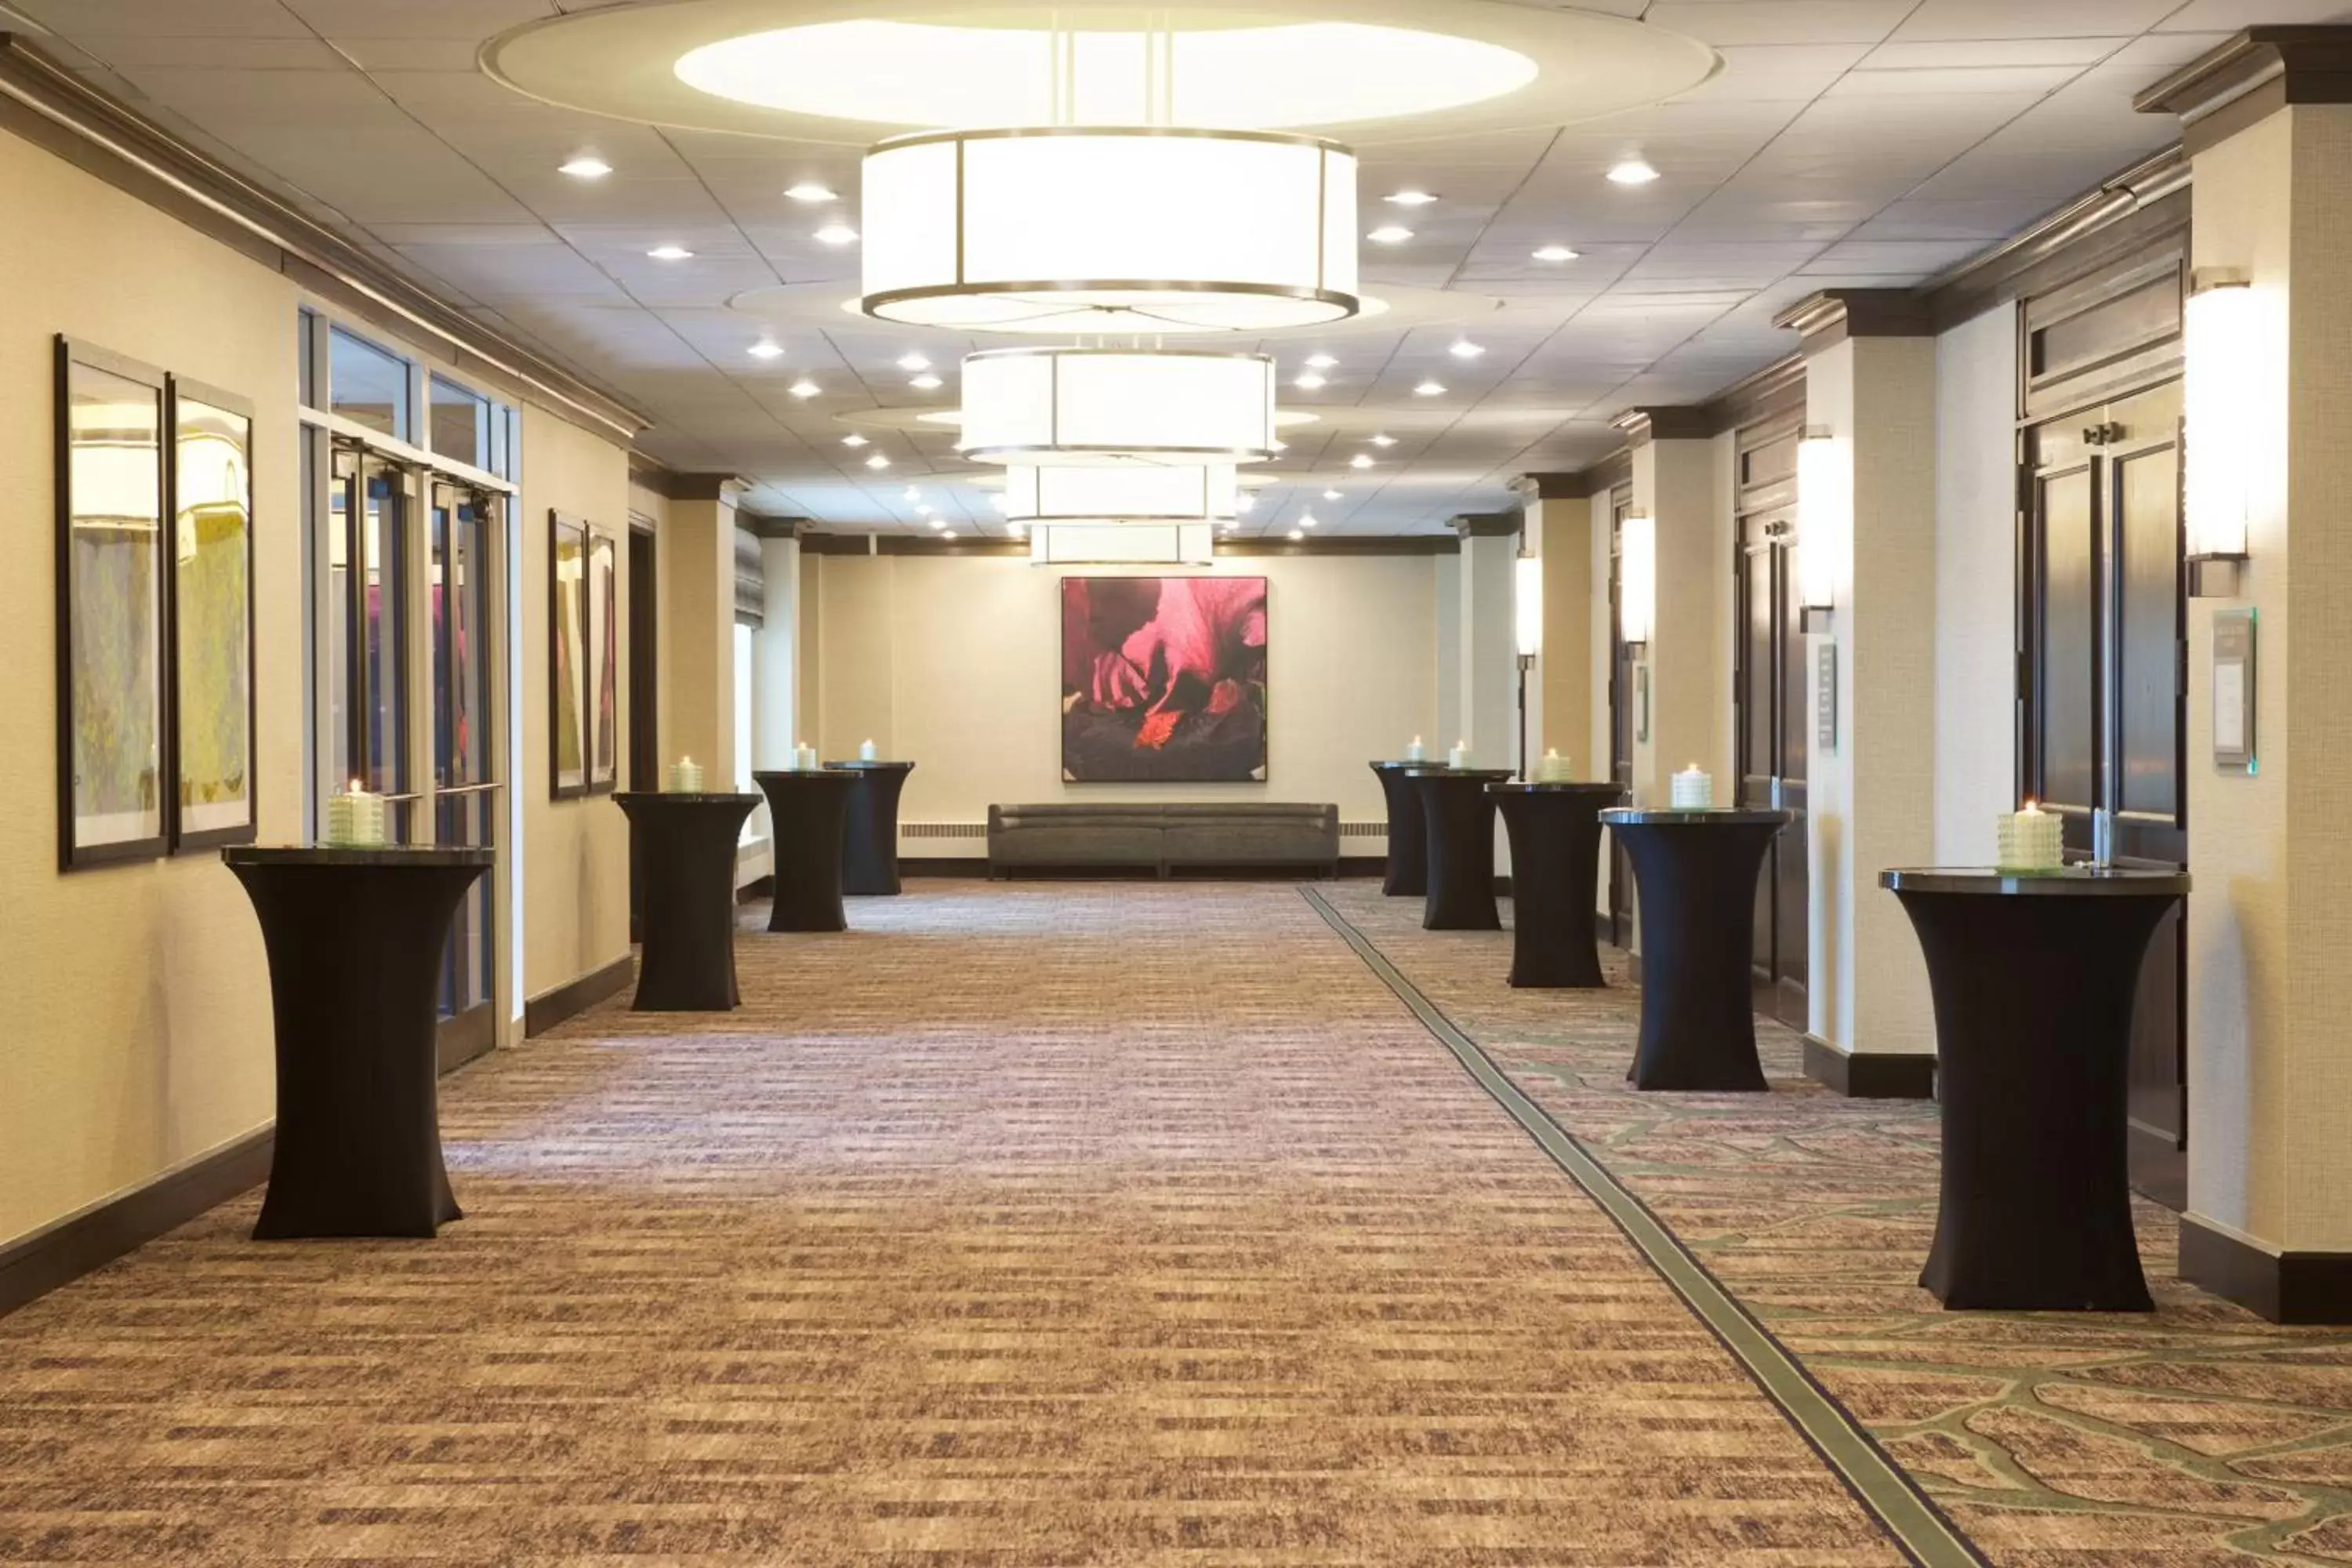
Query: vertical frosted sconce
(1825,521)
(1528,606)
(2222,343)
(1637,580)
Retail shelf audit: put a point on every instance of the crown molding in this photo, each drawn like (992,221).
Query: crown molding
(1645,425)
(1487,524)
(1826,319)
(52,108)
(759,527)
(1576,485)
(2249,76)
(2129,211)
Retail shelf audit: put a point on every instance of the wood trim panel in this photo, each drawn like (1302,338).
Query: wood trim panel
(1866,1075)
(2251,76)
(2120,219)
(548,1008)
(2284,1286)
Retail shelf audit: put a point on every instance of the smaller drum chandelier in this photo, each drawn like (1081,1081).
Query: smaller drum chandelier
(1124,493)
(1107,407)
(1080,229)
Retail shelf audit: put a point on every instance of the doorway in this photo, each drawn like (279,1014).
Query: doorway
(2103,689)
(1623,700)
(645,701)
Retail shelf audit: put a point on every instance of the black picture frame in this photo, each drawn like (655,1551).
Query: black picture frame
(81,466)
(567,654)
(183,394)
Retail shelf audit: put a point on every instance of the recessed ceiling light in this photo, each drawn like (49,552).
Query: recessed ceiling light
(877,461)
(852,440)
(1465,349)
(1245,501)
(837,234)
(805,387)
(1361,461)
(912,361)
(1330,495)
(1310,381)
(948,533)
(924,382)
(1390,234)
(1383,440)
(670,253)
(810,191)
(1297,534)
(766,348)
(1321,361)
(1632,171)
(1556,253)
(913,492)
(1306,519)
(925,509)
(1430,389)
(587,167)
(1410,198)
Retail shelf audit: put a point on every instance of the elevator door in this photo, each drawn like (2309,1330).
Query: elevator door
(1770,693)
(2103,689)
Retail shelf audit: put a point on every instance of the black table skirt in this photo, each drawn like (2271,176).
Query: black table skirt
(1695,886)
(2033,1012)
(1458,815)
(869,844)
(355,940)
(1555,837)
(687,844)
(808,813)
(1407,871)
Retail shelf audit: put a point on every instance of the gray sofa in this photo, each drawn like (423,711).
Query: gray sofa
(1209,835)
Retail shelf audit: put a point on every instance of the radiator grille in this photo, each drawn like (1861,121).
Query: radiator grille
(1363,830)
(943,830)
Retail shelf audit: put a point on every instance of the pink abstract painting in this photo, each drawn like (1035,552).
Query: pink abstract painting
(1163,680)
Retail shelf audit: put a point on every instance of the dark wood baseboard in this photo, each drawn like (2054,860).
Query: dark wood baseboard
(1865,1075)
(463,1039)
(2284,1286)
(944,866)
(977,866)
(74,1245)
(758,887)
(543,1012)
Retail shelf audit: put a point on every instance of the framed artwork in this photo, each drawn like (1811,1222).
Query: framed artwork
(1163,680)
(210,574)
(112,780)
(604,661)
(567,660)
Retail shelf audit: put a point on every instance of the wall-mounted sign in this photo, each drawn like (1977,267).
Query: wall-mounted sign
(1825,695)
(2233,691)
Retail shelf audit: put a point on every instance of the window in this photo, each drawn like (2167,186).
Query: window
(367,385)
(459,423)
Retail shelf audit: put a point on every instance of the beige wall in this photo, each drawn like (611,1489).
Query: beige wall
(1976,584)
(138,1032)
(954,662)
(575,864)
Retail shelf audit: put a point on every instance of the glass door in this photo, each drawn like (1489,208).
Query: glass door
(368,617)
(461,527)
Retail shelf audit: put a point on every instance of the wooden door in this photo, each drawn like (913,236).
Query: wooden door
(645,704)
(2105,619)
(1770,696)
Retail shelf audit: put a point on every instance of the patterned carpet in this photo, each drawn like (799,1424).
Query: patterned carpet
(1065,1224)
(2196,1435)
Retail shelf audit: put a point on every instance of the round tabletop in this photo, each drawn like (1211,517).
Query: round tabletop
(1558,786)
(2069,882)
(1434,770)
(1727,817)
(685,797)
(358,855)
(865,766)
(1423,766)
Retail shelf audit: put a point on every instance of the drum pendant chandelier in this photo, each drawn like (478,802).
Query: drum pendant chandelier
(1110,406)
(1077,229)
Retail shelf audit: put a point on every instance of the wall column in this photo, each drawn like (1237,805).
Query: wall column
(2269,133)
(1677,483)
(1560,525)
(1870,384)
(775,652)
(698,590)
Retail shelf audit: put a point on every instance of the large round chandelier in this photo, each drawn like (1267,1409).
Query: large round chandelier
(1108,406)
(1080,229)
(1127,493)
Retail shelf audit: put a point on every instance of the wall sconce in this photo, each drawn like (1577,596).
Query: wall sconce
(1825,523)
(1528,606)
(2222,343)
(1637,581)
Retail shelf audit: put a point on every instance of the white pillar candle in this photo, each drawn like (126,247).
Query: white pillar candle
(1416,753)
(1692,790)
(2028,840)
(866,751)
(1552,769)
(686,776)
(804,758)
(356,818)
(1459,757)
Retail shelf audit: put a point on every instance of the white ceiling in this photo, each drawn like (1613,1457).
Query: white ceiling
(1858,143)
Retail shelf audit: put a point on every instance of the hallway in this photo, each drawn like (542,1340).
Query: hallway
(1056,1223)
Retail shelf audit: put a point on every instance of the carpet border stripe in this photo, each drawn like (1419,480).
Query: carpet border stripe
(1907,1514)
